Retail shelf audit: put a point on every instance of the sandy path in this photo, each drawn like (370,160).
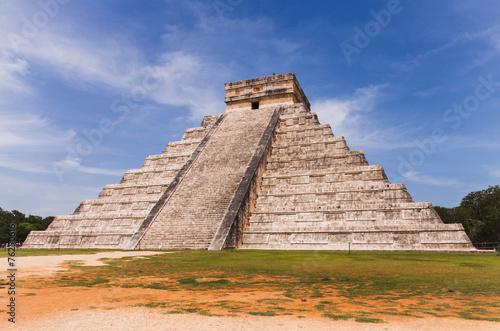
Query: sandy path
(28,266)
(149,319)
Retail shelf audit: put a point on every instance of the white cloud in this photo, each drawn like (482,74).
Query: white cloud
(89,60)
(429,180)
(11,71)
(73,163)
(493,171)
(23,163)
(427,92)
(186,80)
(27,141)
(490,38)
(26,130)
(343,112)
(93,60)
(350,117)
(486,139)
(43,196)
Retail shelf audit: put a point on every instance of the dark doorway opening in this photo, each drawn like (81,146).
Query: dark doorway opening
(255,105)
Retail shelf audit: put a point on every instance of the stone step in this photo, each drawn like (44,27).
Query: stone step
(300,184)
(194,133)
(329,199)
(180,147)
(311,129)
(340,206)
(150,178)
(316,156)
(161,160)
(294,120)
(389,237)
(312,143)
(133,190)
(333,163)
(203,196)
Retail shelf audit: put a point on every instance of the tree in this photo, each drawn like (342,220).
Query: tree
(24,225)
(484,207)
(479,212)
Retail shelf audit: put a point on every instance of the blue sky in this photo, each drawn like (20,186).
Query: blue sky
(88,89)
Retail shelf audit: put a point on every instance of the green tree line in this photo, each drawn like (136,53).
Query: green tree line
(24,224)
(479,212)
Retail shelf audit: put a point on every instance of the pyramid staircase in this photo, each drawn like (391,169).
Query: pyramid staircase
(263,175)
(110,220)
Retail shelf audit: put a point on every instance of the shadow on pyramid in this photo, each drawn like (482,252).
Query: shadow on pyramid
(263,175)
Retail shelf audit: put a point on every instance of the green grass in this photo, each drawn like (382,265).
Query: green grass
(338,317)
(471,315)
(357,275)
(157,286)
(367,279)
(213,284)
(368,320)
(274,301)
(263,313)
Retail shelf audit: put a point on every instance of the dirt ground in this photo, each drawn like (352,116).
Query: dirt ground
(43,306)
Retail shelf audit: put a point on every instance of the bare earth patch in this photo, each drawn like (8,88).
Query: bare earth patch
(46,300)
(147,319)
(47,265)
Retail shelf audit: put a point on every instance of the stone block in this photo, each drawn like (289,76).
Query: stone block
(252,179)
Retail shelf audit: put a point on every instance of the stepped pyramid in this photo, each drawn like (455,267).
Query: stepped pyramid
(263,175)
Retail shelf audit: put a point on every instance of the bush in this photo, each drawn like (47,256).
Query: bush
(24,225)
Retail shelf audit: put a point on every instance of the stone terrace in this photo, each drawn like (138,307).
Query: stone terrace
(263,175)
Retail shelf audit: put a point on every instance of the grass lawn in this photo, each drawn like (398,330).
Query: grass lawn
(363,286)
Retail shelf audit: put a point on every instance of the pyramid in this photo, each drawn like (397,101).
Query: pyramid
(265,174)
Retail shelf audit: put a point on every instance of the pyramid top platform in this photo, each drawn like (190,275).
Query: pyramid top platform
(264,92)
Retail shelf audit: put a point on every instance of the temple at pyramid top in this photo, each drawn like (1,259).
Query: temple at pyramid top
(266,91)
(264,174)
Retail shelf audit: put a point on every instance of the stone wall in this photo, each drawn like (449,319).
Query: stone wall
(110,220)
(318,194)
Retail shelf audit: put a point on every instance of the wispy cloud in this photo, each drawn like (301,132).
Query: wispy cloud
(457,141)
(493,171)
(489,39)
(73,163)
(185,80)
(427,92)
(350,116)
(22,163)
(429,180)
(343,112)
(120,67)
(27,130)
(42,198)
(12,69)
(91,60)
(27,141)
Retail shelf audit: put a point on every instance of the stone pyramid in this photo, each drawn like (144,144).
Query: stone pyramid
(263,175)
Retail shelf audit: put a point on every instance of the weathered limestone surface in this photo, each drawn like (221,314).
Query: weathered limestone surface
(268,91)
(263,175)
(193,214)
(318,194)
(110,220)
